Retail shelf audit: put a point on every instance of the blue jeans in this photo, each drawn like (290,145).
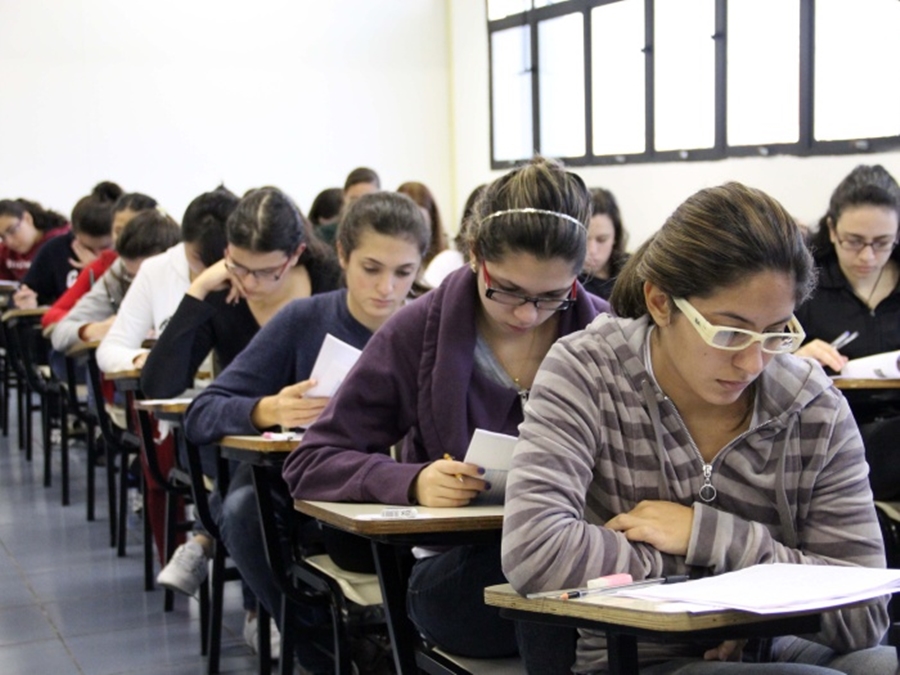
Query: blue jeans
(445,601)
(239,526)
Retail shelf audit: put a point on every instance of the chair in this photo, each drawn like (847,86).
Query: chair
(16,371)
(889,521)
(211,628)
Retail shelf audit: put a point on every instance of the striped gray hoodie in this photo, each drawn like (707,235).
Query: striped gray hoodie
(599,436)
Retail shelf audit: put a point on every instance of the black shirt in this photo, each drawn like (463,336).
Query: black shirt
(835,308)
(51,272)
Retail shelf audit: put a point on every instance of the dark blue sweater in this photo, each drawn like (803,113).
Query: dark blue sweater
(282,353)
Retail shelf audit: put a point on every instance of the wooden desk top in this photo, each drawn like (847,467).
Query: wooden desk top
(170,406)
(631,612)
(349,517)
(17,313)
(81,348)
(851,383)
(132,374)
(259,444)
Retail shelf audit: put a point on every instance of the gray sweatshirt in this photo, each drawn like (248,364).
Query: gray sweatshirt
(98,304)
(599,436)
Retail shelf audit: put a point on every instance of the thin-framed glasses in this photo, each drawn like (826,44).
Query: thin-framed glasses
(735,339)
(517,299)
(11,231)
(269,274)
(857,244)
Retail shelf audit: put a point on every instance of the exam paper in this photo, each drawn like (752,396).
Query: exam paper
(884,366)
(493,452)
(779,587)
(334,361)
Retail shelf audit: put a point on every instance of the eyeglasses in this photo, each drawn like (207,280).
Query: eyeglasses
(270,274)
(11,231)
(517,300)
(857,244)
(735,339)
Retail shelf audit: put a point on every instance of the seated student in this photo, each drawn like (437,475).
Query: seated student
(271,258)
(126,207)
(152,298)
(57,264)
(607,238)
(24,228)
(422,196)
(164,279)
(461,357)
(381,241)
(326,208)
(683,437)
(859,291)
(147,234)
(856,251)
(361,181)
(451,259)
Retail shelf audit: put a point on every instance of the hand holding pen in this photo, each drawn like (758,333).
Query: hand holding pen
(447,483)
(828,354)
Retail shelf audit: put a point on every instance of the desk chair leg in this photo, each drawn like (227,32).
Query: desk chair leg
(149,579)
(393,590)
(170,534)
(123,505)
(92,467)
(45,436)
(111,491)
(264,640)
(21,404)
(288,636)
(64,446)
(217,579)
(622,653)
(204,617)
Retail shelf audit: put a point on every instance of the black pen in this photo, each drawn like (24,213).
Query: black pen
(674,579)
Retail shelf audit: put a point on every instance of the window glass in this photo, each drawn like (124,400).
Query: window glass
(618,80)
(498,9)
(684,69)
(561,82)
(511,93)
(763,72)
(856,60)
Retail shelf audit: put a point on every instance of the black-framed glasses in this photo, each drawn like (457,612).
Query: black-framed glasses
(269,274)
(517,299)
(11,231)
(855,244)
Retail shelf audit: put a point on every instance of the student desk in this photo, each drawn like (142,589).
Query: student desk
(625,620)
(452,526)
(849,384)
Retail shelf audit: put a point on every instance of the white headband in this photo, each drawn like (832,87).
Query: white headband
(543,212)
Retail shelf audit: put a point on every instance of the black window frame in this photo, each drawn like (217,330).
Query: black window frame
(806,146)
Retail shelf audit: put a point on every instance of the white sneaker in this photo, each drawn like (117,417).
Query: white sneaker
(251,636)
(186,570)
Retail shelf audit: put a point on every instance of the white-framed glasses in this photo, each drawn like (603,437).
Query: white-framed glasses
(735,339)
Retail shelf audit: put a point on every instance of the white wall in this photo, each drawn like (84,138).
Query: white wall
(170,97)
(647,193)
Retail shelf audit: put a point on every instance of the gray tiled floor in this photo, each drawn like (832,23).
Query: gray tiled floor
(69,605)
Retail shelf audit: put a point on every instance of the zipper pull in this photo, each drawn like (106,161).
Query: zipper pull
(707,490)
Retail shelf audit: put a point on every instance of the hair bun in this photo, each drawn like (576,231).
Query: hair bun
(107,191)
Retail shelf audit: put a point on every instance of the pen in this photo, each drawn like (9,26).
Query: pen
(450,458)
(844,339)
(580,593)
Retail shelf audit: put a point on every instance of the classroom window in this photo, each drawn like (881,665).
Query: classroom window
(620,81)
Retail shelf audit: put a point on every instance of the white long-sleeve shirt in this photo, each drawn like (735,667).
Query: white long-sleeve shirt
(152,299)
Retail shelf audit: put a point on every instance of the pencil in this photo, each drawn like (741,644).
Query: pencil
(450,458)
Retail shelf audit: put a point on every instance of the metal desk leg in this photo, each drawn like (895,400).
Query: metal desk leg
(393,590)
(622,653)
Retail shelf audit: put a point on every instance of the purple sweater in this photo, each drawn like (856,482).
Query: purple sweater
(416,381)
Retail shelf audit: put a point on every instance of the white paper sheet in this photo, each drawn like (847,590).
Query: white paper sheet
(779,587)
(493,452)
(884,366)
(334,361)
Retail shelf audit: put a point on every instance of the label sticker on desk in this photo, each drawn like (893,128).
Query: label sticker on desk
(395,513)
